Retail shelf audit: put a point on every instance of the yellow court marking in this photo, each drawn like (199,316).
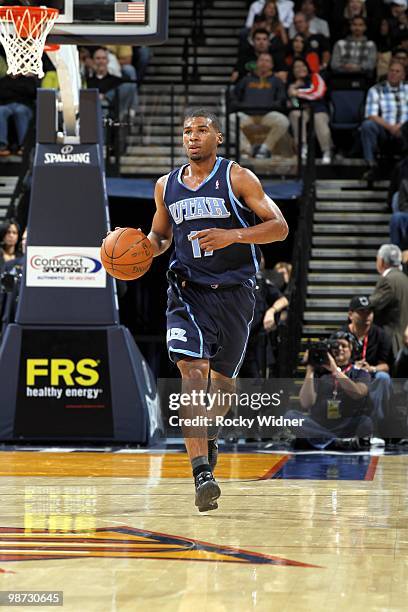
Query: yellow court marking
(176,465)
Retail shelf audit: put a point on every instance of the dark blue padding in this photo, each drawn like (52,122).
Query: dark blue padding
(144,189)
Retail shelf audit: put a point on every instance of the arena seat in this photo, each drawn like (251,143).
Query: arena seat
(346,108)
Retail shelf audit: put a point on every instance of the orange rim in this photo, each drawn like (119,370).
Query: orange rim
(26,18)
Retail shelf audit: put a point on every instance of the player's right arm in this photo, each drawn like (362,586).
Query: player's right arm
(161,233)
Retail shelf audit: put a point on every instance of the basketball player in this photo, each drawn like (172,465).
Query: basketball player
(209,206)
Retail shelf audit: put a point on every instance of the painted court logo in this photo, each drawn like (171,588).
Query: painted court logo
(19,544)
(64,267)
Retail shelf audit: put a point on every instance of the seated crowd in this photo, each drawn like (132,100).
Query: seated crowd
(300,52)
(116,71)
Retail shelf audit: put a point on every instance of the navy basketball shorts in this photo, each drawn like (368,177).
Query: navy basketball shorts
(209,323)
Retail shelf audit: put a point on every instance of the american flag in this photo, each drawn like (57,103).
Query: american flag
(131,12)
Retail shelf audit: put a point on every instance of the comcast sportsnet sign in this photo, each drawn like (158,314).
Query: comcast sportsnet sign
(64,267)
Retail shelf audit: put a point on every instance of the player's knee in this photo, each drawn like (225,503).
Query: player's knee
(197,369)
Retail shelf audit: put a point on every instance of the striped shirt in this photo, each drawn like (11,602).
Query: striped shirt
(390,103)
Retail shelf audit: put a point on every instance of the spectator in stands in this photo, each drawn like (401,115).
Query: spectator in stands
(386,112)
(298,48)
(124,54)
(390,297)
(398,179)
(108,83)
(86,65)
(399,218)
(355,8)
(141,59)
(373,352)
(384,48)
(335,396)
(399,232)
(403,40)
(10,242)
(269,20)
(401,362)
(355,53)
(17,99)
(260,99)
(280,275)
(11,282)
(316,42)
(343,17)
(316,25)
(401,55)
(285,9)
(398,21)
(303,86)
(269,303)
(343,12)
(384,60)
(250,51)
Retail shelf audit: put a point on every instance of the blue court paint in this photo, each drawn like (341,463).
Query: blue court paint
(328,467)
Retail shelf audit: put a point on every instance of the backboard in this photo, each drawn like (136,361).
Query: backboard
(95,22)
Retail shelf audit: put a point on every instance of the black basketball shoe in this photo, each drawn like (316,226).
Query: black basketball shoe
(207,492)
(213,453)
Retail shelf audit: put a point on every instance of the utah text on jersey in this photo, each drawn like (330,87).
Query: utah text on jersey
(198,208)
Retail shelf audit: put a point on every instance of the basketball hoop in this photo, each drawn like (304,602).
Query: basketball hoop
(23,31)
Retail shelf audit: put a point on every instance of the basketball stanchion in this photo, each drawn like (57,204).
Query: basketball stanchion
(72,371)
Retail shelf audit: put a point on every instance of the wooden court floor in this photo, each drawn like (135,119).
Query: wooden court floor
(119,532)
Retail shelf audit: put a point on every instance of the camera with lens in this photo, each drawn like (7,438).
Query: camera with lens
(319,353)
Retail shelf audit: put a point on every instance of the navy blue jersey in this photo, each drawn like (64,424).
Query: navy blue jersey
(212,205)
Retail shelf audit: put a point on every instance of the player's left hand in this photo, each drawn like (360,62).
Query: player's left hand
(213,239)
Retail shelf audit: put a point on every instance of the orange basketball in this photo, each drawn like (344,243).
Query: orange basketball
(126,253)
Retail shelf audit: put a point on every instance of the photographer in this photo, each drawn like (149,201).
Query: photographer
(336,394)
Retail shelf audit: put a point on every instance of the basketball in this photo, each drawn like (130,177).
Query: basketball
(126,253)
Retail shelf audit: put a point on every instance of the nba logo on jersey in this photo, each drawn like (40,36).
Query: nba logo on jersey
(217,184)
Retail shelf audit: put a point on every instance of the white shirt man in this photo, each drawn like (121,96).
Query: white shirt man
(285,10)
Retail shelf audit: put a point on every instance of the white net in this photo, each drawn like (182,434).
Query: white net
(23,32)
